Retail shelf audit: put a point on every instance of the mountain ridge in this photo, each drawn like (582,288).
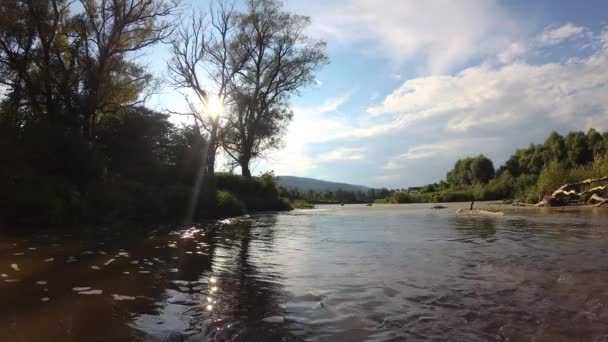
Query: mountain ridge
(306,184)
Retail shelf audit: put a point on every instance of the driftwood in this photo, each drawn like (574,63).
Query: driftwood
(595,199)
(567,194)
(604,203)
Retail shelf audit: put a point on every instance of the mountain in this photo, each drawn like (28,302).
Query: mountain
(305,184)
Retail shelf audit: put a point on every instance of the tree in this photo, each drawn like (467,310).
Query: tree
(199,53)
(555,148)
(482,169)
(578,151)
(471,170)
(281,60)
(68,69)
(111,31)
(596,143)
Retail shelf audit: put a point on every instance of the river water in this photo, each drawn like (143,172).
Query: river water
(352,273)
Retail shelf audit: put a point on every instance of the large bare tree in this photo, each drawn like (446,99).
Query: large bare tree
(203,65)
(282,59)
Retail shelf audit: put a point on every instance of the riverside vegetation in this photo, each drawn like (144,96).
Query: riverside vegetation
(527,176)
(78,145)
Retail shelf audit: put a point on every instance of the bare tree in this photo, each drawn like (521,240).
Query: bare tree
(281,60)
(204,63)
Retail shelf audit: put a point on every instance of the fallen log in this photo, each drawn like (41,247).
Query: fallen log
(585,182)
(596,199)
(566,194)
(594,190)
(603,203)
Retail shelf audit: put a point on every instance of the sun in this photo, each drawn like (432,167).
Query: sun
(214,106)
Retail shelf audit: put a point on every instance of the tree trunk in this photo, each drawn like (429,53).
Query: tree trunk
(209,175)
(244,161)
(245,171)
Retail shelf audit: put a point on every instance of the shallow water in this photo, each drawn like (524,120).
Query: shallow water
(352,273)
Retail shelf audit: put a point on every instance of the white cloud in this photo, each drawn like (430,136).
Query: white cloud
(310,124)
(443,33)
(451,148)
(343,153)
(550,36)
(503,97)
(512,52)
(556,35)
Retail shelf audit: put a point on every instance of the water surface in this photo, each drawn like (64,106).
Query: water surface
(352,273)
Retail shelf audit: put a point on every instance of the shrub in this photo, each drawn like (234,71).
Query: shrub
(228,205)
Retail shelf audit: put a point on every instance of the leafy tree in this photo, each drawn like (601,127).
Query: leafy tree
(471,170)
(596,143)
(69,68)
(482,169)
(555,148)
(577,147)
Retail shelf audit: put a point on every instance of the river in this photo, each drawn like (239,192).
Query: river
(352,273)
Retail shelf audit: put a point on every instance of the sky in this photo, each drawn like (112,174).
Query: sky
(412,86)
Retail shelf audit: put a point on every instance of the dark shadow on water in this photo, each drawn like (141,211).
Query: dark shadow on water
(164,278)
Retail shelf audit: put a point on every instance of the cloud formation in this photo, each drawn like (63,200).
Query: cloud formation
(343,153)
(442,33)
(552,36)
(569,94)
(486,107)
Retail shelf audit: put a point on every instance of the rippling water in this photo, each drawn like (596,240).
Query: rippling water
(353,273)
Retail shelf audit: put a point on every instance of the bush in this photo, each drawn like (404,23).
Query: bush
(302,204)
(228,205)
(256,193)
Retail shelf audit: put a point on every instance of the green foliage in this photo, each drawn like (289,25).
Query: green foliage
(141,168)
(256,193)
(577,147)
(228,205)
(301,204)
(528,175)
(471,171)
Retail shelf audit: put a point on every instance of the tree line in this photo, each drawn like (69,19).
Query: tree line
(333,197)
(76,138)
(527,175)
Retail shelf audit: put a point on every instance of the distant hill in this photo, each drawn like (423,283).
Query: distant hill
(306,184)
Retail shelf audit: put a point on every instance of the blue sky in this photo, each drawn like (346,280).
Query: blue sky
(414,85)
